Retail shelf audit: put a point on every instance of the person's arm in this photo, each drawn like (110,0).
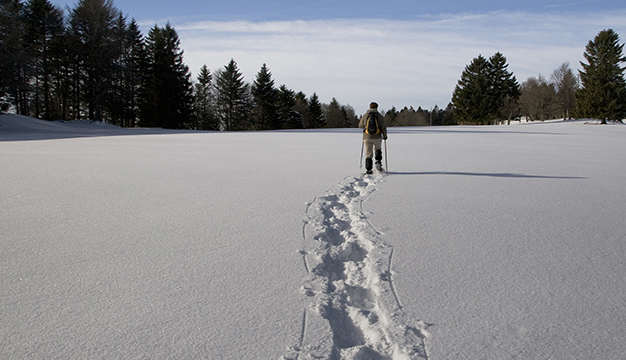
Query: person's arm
(383,127)
(362,121)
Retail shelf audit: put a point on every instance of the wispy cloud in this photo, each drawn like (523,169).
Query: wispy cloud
(570,4)
(397,63)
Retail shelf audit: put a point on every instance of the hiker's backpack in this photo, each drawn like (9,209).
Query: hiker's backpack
(372,127)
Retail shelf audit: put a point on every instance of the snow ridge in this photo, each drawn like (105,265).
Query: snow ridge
(355,312)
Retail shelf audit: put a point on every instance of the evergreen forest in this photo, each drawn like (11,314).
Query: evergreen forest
(94,63)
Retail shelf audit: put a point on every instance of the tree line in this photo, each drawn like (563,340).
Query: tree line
(94,63)
(488,93)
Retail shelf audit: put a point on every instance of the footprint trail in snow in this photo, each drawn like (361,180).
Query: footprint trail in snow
(354,310)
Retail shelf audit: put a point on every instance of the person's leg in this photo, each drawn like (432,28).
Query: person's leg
(368,165)
(369,153)
(379,159)
(378,153)
(369,148)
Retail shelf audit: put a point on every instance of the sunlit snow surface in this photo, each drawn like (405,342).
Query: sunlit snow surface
(492,242)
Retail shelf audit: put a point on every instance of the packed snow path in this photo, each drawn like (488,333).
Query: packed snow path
(355,312)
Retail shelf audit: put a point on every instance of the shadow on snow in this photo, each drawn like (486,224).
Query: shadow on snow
(501,175)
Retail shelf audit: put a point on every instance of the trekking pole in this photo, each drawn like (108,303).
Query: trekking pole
(386,162)
(361,161)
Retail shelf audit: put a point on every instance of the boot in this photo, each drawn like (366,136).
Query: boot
(379,160)
(368,165)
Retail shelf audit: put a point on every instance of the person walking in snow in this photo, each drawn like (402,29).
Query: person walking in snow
(374,132)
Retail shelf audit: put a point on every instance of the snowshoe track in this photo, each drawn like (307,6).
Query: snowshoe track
(354,312)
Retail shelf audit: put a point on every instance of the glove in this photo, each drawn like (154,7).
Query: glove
(385,137)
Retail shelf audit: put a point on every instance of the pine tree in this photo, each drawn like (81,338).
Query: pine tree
(134,64)
(437,116)
(286,102)
(391,117)
(486,91)
(94,25)
(232,98)
(448,115)
(44,29)
(351,120)
(335,117)
(505,90)
(168,92)
(318,119)
(302,108)
(471,97)
(115,97)
(339,116)
(14,82)
(264,95)
(603,92)
(70,78)
(204,101)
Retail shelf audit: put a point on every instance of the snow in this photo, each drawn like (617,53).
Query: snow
(480,243)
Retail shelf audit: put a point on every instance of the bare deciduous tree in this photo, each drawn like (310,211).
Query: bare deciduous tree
(565,84)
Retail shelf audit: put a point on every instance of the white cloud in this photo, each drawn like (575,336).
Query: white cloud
(397,63)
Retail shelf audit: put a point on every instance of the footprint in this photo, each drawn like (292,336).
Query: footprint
(354,252)
(360,297)
(348,260)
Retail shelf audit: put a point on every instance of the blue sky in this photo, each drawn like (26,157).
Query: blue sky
(397,52)
(280,10)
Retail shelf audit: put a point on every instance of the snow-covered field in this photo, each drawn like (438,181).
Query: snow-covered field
(481,243)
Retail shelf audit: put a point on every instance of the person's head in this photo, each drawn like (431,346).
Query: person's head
(373,105)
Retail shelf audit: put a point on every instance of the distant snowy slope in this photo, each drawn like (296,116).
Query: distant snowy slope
(18,127)
(493,242)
